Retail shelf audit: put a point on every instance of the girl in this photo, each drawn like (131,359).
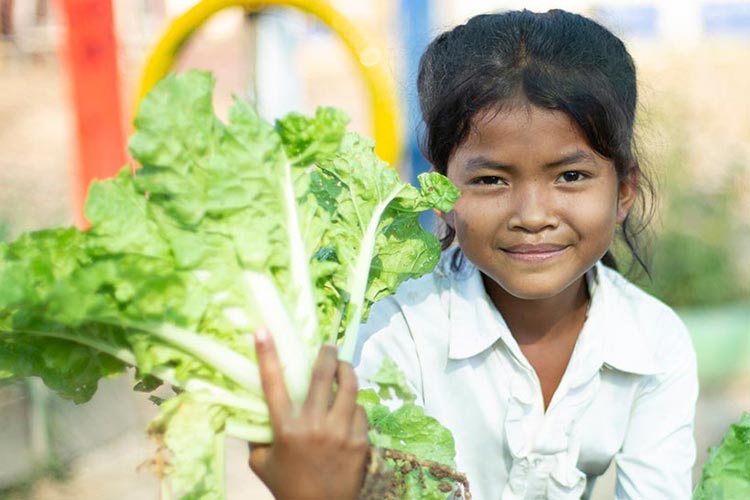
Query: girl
(542,360)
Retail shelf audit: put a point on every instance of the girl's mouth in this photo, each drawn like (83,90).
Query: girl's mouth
(535,253)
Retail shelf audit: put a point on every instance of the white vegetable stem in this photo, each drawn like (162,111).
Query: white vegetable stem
(253,403)
(358,279)
(224,360)
(246,431)
(305,316)
(212,394)
(293,334)
(294,351)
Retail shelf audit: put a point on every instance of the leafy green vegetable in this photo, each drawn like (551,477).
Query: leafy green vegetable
(420,450)
(726,474)
(224,227)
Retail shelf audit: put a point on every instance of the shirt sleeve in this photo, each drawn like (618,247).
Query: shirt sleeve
(386,334)
(658,453)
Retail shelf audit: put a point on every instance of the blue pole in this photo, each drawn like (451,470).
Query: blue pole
(416,26)
(416,29)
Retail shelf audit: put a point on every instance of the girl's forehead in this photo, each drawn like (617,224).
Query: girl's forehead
(524,123)
(528,137)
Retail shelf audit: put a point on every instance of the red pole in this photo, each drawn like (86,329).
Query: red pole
(91,51)
(6,17)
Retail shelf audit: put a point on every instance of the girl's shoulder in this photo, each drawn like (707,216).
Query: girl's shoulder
(640,304)
(642,320)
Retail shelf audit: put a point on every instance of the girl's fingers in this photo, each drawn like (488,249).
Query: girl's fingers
(272,378)
(258,458)
(321,383)
(346,394)
(360,425)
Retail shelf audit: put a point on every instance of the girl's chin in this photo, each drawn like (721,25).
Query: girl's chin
(530,288)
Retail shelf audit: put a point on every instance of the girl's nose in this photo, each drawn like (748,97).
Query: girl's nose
(532,211)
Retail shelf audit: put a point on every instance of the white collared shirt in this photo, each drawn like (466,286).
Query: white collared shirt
(628,393)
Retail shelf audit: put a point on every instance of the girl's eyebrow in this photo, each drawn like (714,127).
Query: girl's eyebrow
(482,162)
(576,156)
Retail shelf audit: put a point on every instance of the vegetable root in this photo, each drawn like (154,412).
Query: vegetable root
(382,482)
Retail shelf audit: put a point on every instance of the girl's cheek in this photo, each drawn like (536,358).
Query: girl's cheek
(461,209)
(596,212)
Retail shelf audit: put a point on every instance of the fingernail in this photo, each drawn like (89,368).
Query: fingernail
(261,335)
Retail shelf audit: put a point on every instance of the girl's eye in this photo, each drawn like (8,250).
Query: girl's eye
(572,176)
(490,180)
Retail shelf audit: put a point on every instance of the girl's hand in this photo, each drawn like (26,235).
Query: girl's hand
(319,451)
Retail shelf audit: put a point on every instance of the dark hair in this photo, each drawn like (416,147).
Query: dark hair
(555,60)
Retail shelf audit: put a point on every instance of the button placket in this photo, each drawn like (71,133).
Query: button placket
(520,408)
(518,478)
(566,480)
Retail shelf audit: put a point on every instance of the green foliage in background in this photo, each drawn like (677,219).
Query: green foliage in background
(698,240)
(698,256)
(722,344)
(4,230)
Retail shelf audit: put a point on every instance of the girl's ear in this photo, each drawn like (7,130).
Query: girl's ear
(446,217)
(628,192)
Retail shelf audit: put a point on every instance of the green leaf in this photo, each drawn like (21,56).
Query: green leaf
(419,434)
(148,383)
(373,231)
(376,411)
(437,191)
(32,265)
(310,140)
(71,370)
(726,473)
(392,382)
(114,204)
(407,429)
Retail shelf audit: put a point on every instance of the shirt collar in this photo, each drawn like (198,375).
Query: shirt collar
(475,322)
(614,320)
(610,337)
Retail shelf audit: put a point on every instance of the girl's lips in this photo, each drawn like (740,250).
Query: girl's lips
(535,253)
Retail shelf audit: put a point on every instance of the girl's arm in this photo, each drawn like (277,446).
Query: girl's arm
(319,450)
(657,456)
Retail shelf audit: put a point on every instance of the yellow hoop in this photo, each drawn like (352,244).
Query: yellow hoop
(369,58)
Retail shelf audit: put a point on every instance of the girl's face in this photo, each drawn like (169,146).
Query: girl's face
(538,205)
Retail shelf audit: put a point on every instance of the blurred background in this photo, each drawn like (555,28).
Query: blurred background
(71,72)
